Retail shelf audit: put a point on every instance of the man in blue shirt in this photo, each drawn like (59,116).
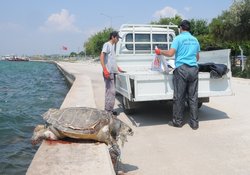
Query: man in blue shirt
(186,49)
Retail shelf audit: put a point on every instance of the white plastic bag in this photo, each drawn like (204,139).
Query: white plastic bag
(159,64)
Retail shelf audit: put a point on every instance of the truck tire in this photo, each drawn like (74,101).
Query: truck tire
(127,106)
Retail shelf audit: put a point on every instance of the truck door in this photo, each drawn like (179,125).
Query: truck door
(123,85)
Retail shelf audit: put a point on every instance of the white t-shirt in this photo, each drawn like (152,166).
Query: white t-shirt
(109,59)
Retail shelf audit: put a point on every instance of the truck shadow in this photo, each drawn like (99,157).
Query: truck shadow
(152,113)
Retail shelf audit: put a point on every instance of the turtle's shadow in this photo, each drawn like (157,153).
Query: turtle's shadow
(67,139)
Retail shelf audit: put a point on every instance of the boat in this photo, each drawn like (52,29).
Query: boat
(15,58)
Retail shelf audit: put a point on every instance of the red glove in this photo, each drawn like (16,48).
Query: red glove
(157,51)
(106,73)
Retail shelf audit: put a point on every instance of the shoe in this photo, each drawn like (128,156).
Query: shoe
(171,123)
(194,126)
(114,113)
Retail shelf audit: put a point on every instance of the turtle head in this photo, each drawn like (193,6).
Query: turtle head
(120,130)
(42,132)
(38,134)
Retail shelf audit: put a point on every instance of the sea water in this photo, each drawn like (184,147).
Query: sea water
(27,90)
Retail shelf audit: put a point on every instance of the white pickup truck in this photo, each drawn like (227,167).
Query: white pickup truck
(135,53)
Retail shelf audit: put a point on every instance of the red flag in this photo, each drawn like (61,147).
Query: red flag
(64,48)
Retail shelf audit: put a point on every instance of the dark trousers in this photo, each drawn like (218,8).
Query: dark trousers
(185,81)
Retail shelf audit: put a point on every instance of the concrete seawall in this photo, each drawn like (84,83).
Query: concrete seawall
(63,158)
(81,92)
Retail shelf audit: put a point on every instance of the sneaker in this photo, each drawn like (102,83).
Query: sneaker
(114,113)
(194,126)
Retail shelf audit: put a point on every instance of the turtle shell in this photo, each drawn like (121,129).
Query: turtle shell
(78,122)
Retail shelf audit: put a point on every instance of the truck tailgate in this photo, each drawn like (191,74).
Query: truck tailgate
(151,85)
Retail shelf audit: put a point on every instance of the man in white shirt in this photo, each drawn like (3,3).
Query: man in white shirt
(110,68)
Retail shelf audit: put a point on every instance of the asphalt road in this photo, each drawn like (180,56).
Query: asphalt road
(220,146)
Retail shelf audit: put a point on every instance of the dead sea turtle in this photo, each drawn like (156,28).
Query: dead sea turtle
(81,123)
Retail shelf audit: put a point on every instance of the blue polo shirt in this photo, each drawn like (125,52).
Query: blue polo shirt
(186,48)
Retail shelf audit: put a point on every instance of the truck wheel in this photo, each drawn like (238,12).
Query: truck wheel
(126,104)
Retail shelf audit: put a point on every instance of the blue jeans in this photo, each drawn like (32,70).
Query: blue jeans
(185,81)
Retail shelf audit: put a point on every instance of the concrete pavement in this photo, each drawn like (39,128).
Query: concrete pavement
(220,146)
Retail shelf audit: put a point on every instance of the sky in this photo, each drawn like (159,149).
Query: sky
(44,27)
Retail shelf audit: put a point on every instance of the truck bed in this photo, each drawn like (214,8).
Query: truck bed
(147,85)
(151,85)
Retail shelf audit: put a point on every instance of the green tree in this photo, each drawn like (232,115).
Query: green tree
(81,54)
(94,44)
(199,27)
(231,30)
(73,54)
(165,21)
(233,24)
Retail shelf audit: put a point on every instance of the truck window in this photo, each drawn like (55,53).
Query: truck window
(160,39)
(143,42)
(138,38)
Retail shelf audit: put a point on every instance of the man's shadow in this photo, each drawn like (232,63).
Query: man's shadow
(158,113)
